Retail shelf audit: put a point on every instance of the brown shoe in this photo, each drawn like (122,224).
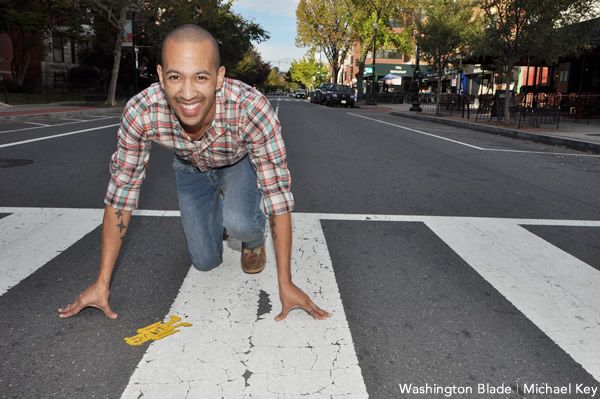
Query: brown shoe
(254,260)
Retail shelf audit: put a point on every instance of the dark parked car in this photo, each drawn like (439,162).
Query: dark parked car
(319,94)
(340,95)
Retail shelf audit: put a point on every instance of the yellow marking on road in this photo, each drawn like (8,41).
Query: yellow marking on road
(156,331)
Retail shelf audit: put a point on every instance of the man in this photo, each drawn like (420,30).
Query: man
(229,154)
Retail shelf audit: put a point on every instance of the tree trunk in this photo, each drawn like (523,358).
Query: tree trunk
(335,69)
(360,77)
(359,81)
(112,87)
(507,97)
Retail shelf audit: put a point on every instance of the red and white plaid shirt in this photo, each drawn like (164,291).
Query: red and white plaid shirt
(244,123)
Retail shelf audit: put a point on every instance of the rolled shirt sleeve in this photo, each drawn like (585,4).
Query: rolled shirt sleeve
(128,163)
(267,152)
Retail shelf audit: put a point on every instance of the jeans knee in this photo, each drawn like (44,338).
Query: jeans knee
(204,263)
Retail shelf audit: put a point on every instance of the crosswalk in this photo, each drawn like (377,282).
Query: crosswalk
(234,347)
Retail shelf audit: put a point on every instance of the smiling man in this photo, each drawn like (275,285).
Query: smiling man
(230,160)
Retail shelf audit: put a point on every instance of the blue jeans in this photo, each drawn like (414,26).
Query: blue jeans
(220,198)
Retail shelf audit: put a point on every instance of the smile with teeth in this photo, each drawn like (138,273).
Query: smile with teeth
(190,109)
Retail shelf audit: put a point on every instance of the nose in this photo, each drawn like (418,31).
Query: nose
(187,90)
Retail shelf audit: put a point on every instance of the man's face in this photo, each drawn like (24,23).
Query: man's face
(190,78)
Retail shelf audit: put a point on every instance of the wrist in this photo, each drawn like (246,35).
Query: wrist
(285,283)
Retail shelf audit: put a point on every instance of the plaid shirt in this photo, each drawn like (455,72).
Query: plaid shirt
(244,123)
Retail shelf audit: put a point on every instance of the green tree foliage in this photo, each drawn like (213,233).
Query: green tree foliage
(234,33)
(115,12)
(444,33)
(323,24)
(28,22)
(156,18)
(275,80)
(362,14)
(251,69)
(308,72)
(540,30)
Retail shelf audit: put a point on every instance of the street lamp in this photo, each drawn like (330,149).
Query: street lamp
(372,96)
(416,72)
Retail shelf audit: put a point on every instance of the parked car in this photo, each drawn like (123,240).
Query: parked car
(319,94)
(300,93)
(339,95)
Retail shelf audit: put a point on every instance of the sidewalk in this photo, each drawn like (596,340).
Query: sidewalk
(579,136)
(59,109)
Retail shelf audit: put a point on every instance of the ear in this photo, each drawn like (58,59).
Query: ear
(160,76)
(220,77)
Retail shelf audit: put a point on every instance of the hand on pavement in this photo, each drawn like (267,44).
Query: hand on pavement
(293,297)
(95,296)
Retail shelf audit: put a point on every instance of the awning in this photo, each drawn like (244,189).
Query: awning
(400,70)
(390,76)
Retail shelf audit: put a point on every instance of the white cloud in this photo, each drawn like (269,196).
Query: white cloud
(285,8)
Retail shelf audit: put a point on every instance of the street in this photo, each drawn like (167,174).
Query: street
(456,264)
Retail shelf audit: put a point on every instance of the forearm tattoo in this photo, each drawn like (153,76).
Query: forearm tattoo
(121,225)
(272,225)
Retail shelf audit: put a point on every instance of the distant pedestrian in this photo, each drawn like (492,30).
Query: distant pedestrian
(229,159)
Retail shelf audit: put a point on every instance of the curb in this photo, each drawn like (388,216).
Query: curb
(579,145)
(52,113)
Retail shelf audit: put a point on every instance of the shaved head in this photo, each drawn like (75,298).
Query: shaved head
(191,33)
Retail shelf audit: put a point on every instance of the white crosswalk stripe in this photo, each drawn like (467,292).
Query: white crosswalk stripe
(31,237)
(230,349)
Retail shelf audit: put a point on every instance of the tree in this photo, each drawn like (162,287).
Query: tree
(28,23)
(233,32)
(158,17)
(251,69)
(308,72)
(544,30)
(323,24)
(444,33)
(362,14)
(274,81)
(115,12)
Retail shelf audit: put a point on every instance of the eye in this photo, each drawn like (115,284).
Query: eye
(173,77)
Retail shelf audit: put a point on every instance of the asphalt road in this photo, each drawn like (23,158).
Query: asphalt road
(467,264)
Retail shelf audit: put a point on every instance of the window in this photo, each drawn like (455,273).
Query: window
(389,54)
(59,79)
(57,48)
(73,52)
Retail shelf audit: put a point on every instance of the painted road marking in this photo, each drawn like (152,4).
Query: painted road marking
(31,237)
(471,145)
(92,119)
(56,136)
(237,349)
(556,291)
(37,124)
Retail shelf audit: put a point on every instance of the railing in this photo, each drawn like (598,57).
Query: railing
(450,104)
(526,110)
(578,107)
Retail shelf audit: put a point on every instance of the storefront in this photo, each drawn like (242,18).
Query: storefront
(405,71)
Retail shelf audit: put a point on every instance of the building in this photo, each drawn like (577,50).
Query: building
(49,63)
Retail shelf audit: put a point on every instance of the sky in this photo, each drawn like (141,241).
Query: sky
(278,17)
